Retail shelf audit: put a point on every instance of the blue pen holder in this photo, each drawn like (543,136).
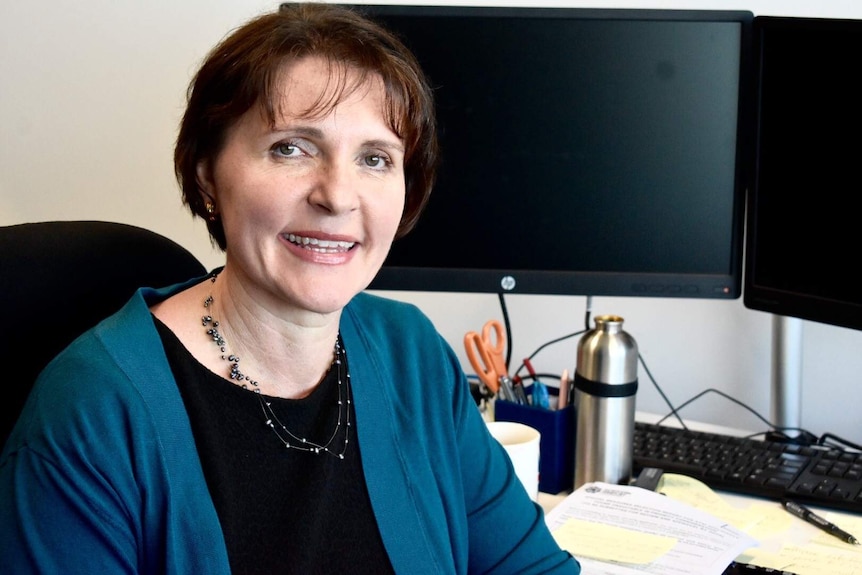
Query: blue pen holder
(557,444)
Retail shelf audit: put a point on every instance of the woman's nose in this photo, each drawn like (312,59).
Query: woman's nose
(336,189)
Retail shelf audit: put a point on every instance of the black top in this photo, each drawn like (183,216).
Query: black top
(281,510)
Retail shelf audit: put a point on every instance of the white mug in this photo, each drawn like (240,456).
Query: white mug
(521,442)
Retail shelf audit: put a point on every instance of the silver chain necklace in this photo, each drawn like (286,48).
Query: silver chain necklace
(287,437)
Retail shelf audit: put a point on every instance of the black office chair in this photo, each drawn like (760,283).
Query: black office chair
(59,278)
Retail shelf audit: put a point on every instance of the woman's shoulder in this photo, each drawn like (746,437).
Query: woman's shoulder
(393,325)
(110,372)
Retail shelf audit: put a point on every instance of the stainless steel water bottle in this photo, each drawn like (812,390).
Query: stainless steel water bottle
(605,386)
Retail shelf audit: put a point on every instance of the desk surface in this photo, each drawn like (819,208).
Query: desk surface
(786,542)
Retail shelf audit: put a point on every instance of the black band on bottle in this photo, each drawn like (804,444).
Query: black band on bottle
(599,389)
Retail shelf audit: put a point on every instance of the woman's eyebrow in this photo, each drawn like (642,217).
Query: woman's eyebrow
(392,144)
(298,130)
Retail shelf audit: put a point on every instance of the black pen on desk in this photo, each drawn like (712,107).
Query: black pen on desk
(810,517)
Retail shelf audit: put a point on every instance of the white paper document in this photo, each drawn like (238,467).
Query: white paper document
(626,530)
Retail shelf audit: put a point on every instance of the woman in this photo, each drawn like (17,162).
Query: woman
(345,440)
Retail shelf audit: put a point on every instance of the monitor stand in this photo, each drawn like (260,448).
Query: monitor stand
(787,373)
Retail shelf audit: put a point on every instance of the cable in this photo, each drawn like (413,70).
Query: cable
(535,376)
(823,441)
(553,341)
(505,310)
(721,393)
(775,434)
(673,410)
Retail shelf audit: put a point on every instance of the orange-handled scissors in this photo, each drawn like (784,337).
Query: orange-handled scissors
(486,354)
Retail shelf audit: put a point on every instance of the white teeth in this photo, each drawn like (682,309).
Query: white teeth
(319,245)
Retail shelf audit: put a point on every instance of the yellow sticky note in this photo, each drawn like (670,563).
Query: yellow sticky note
(609,543)
(697,494)
(811,559)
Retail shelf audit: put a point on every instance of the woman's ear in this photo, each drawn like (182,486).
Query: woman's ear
(203,177)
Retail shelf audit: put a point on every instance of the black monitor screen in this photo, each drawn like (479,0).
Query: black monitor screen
(803,242)
(584,151)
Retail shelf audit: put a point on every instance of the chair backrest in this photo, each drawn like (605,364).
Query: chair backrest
(59,278)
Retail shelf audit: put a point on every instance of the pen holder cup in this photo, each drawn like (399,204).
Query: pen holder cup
(557,444)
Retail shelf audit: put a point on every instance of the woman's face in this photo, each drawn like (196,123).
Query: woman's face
(310,206)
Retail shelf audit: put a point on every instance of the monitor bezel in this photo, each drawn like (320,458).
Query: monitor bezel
(726,285)
(797,302)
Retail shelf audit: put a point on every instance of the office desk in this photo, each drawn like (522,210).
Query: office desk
(786,542)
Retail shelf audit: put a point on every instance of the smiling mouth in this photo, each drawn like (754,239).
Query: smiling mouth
(320,246)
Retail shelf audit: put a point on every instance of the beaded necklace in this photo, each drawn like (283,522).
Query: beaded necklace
(287,437)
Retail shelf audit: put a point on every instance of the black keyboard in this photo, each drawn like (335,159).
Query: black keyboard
(770,469)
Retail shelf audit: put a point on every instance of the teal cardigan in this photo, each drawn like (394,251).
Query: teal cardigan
(100,475)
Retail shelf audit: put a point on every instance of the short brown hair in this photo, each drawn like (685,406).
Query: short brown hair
(242,71)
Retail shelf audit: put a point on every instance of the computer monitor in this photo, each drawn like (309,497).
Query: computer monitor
(802,255)
(584,151)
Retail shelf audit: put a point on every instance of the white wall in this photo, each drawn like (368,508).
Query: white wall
(90,95)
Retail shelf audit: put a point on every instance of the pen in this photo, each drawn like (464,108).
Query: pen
(563,394)
(519,393)
(810,517)
(507,390)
